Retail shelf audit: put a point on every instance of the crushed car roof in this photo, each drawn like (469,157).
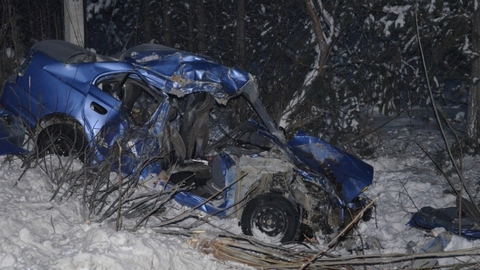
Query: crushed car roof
(170,70)
(188,73)
(63,51)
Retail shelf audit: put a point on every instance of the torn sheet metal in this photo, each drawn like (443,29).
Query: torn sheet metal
(437,244)
(186,73)
(430,218)
(350,174)
(449,218)
(12,134)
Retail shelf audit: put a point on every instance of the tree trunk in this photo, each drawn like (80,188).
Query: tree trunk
(146,20)
(241,33)
(167,17)
(191,21)
(474,95)
(202,32)
(321,42)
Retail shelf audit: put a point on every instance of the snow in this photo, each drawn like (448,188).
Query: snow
(40,234)
(37,233)
(9,53)
(399,22)
(400,11)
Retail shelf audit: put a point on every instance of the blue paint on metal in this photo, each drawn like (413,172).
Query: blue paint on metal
(430,218)
(12,134)
(350,174)
(66,82)
(186,72)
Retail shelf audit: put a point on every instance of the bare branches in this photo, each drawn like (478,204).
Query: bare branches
(335,239)
(458,169)
(260,255)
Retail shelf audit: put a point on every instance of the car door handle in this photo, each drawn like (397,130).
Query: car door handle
(98,108)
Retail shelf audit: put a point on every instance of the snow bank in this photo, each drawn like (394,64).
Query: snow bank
(38,234)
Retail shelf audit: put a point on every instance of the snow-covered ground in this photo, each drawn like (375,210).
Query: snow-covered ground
(36,233)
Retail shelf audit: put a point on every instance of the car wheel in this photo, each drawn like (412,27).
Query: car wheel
(271,215)
(63,140)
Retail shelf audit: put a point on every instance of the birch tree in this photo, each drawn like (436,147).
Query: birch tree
(325,31)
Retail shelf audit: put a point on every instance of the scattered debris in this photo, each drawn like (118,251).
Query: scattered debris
(435,245)
(462,222)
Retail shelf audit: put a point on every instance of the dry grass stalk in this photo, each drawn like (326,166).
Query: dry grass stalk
(242,250)
(334,240)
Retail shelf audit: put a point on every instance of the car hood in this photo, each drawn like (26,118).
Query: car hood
(181,73)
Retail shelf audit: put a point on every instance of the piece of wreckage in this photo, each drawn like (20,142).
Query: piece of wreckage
(12,134)
(162,106)
(461,220)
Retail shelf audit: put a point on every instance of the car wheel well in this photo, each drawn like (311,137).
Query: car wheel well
(273,215)
(57,118)
(62,135)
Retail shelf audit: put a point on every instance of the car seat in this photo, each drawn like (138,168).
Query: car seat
(194,128)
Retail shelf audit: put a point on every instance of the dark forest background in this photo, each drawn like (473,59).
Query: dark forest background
(322,66)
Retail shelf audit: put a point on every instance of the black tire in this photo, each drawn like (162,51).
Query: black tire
(63,140)
(272,215)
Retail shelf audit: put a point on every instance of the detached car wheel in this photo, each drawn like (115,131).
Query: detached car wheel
(62,140)
(272,215)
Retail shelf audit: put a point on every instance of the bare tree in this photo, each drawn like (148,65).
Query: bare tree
(325,31)
(241,33)
(191,21)
(167,17)
(473,122)
(322,44)
(202,31)
(146,20)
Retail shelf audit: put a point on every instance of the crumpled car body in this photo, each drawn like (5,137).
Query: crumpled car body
(155,106)
(12,134)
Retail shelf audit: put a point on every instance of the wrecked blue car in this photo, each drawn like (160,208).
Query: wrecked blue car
(165,110)
(12,134)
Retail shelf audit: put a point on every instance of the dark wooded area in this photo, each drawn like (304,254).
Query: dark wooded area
(323,66)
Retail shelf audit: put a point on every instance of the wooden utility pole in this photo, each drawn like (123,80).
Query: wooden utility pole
(74,22)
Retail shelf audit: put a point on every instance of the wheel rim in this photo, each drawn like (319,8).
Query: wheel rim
(271,217)
(270,221)
(63,146)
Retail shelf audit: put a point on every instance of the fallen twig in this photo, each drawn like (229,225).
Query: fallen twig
(242,249)
(335,239)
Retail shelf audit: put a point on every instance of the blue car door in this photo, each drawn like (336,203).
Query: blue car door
(101,106)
